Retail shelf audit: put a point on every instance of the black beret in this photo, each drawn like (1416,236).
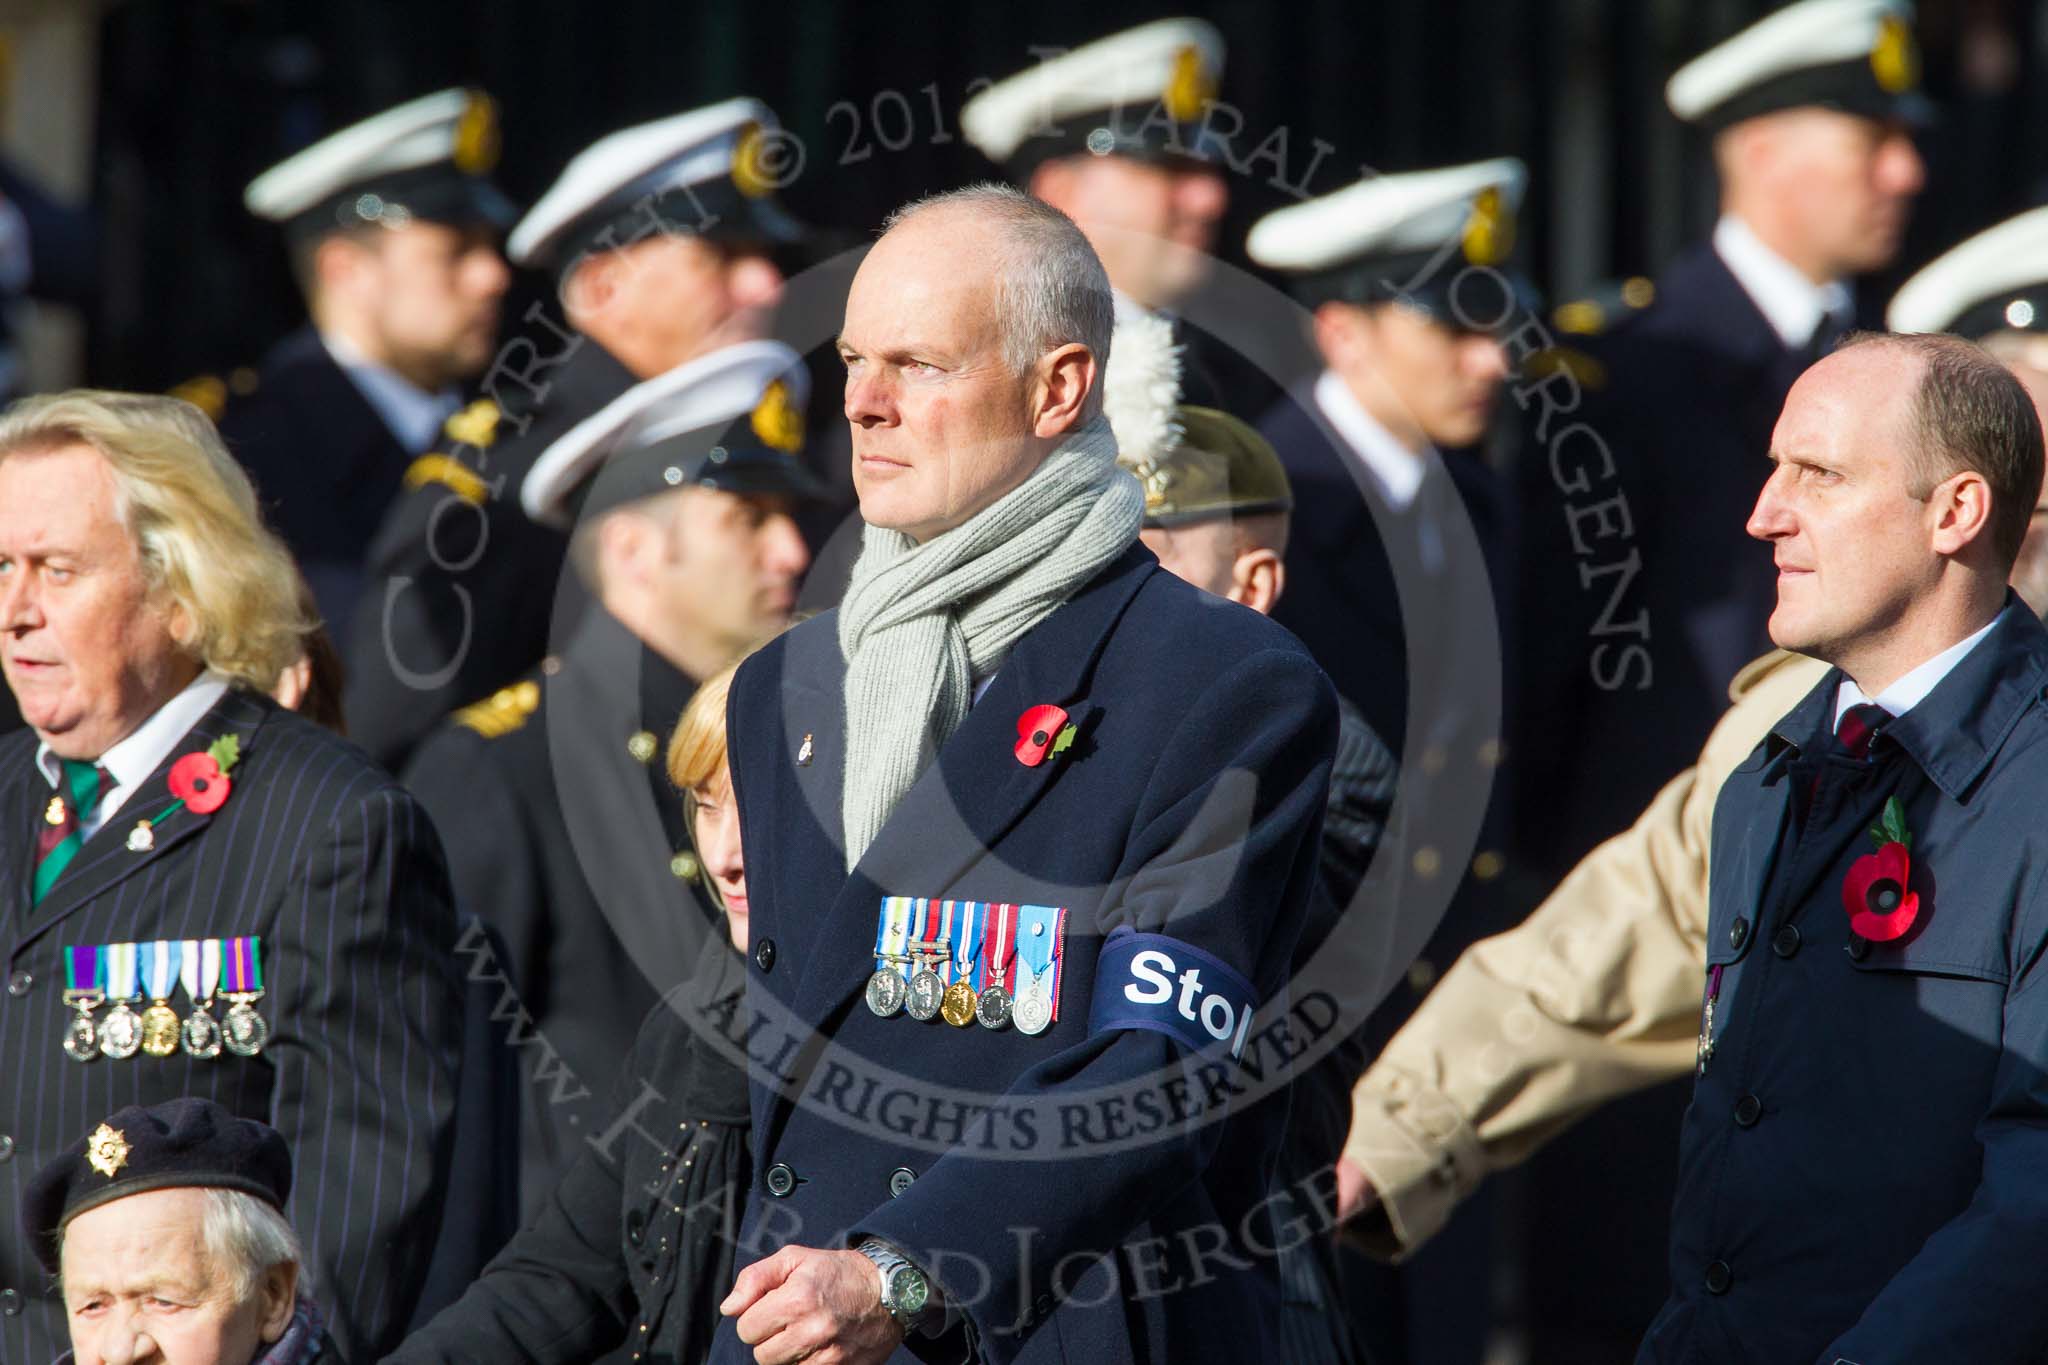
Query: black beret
(180,1144)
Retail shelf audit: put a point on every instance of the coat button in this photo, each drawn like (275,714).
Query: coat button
(1738,933)
(781,1180)
(10,1303)
(6,1147)
(900,1180)
(1748,1110)
(636,1227)
(1786,941)
(1858,949)
(1719,1277)
(18,984)
(764,954)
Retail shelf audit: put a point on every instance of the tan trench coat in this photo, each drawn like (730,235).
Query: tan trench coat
(1594,996)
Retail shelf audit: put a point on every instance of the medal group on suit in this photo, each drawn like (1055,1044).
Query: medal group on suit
(968,962)
(126,974)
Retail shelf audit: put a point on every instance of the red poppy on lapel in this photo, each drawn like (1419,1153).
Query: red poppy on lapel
(1880,906)
(201,780)
(1042,730)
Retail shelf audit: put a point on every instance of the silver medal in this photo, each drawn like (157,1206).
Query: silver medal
(82,1037)
(992,1010)
(886,992)
(246,1031)
(1033,1011)
(121,1033)
(926,993)
(200,1035)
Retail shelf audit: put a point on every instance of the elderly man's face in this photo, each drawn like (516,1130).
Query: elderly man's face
(140,1287)
(87,649)
(1852,544)
(941,424)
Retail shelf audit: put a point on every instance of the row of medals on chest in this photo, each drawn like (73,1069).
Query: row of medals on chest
(925,996)
(158,1032)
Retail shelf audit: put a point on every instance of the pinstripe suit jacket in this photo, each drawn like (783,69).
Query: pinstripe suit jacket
(340,874)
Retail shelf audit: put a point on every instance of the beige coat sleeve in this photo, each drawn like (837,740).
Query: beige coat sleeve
(1596,995)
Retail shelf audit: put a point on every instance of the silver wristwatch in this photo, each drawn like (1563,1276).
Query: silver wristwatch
(906,1292)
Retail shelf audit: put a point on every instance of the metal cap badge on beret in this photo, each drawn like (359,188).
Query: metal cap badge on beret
(1994,281)
(731,420)
(179,1144)
(426,159)
(712,172)
(1141,93)
(1400,237)
(1857,56)
(1218,467)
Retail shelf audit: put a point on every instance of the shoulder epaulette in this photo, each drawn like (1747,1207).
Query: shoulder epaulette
(504,711)
(1586,369)
(209,392)
(451,474)
(1605,307)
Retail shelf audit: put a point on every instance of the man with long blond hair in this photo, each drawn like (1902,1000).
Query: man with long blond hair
(205,894)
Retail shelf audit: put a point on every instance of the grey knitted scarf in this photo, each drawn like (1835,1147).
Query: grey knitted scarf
(921,623)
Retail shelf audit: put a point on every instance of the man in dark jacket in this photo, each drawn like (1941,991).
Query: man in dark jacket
(662,237)
(392,228)
(204,894)
(1859,1165)
(1023,897)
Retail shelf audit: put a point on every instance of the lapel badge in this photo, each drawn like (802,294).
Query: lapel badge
(1042,730)
(142,838)
(803,753)
(107,1150)
(53,814)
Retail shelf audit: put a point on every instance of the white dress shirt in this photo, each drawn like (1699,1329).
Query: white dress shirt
(1912,689)
(1790,302)
(1394,469)
(413,415)
(130,762)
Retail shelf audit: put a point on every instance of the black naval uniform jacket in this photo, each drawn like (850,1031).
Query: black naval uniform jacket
(564,833)
(324,463)
(338,872)
(630,1253)
(1008,1164)
(1864,1166)
(1643,593)
(461,583)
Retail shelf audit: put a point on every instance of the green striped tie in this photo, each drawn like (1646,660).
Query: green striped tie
(62,835)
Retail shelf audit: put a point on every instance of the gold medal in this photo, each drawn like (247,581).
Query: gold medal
(956,1006)
(159,1029)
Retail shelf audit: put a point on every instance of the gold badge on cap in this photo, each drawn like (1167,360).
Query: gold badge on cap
(1490,231)
(1190,88)
(1894,59)
(476,135)
(777,421)
(106,1150)
(751,174)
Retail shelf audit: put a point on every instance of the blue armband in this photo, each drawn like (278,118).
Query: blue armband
(1150,981)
